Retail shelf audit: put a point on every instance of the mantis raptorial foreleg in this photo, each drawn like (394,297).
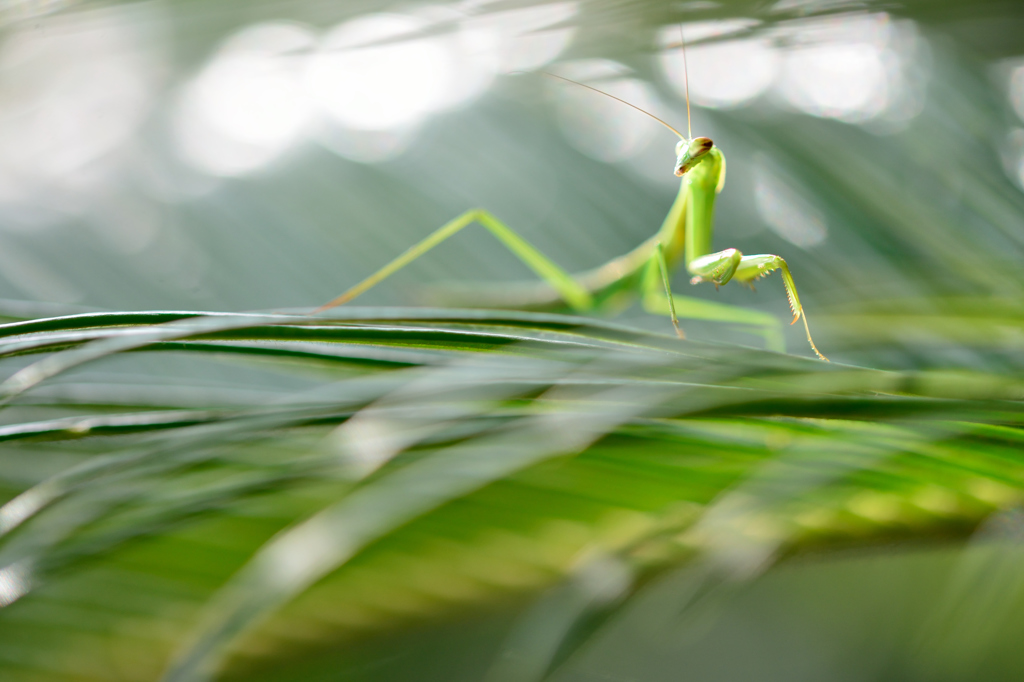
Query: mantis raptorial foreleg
(658,299)
(575,295)
(723,266)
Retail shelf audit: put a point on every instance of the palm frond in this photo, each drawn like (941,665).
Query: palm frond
(429,465)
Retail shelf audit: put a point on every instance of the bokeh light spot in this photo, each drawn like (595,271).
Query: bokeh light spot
(248,105)
(372,74)
(726,73)
(842,67)
(839,80)
(522,39)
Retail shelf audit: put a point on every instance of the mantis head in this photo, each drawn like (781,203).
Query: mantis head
(691,152)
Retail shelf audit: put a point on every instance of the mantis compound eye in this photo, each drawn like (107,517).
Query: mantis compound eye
(701,145)
(689,155)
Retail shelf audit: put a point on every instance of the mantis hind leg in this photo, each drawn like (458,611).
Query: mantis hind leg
(568,288)
(658,299)
(730,264)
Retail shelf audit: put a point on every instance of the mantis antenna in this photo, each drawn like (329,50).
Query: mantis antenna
(686,80)
(618,99)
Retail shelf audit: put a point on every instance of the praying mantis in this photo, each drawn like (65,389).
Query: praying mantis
(685,236)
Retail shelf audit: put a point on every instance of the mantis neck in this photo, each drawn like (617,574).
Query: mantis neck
(688,227)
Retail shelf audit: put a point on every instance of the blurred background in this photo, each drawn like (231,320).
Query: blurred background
(264,155)
(241,155)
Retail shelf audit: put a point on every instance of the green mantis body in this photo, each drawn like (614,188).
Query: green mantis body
(685,237)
